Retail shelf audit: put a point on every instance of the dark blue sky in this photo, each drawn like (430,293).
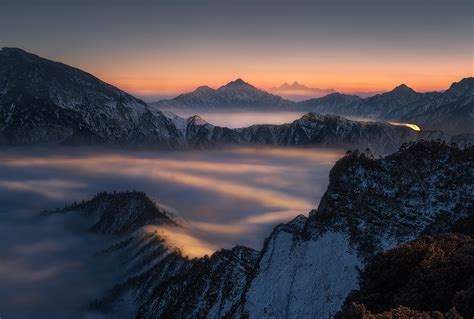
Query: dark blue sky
(152,47)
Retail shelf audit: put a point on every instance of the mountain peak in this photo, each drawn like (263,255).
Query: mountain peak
(204,88)
(462,87)
(403,88)
(17,53)
(238,82)
(293,86)
(197,120)
(12,50)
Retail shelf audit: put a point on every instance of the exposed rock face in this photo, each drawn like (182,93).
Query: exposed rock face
(389,201)
(210,288)
(371,205)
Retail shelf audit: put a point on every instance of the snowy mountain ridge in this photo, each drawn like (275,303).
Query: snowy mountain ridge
(451,111)
(49,103)
(307,267)
(235,95)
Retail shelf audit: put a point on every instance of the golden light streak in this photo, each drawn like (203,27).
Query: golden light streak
(252,181)
(414,127)
(189,245)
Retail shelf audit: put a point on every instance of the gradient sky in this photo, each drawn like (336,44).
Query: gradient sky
(160,48)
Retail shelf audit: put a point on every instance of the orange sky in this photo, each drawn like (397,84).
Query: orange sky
(146,76)
(153,48)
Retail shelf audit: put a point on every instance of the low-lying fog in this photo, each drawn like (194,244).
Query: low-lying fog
(244,119)
(224,197)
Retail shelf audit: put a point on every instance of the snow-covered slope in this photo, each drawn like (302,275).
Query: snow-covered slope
(234,96)
(331,131)
(300,278)
(46,102)
(451,111)
(311,129)
(212,287)
(306,267)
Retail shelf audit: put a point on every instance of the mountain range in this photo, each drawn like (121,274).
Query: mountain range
(310,267)
(299,92)
(235,95)
(451,111)
(49,103)
(46,102)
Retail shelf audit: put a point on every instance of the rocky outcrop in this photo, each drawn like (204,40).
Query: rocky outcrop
(430,274)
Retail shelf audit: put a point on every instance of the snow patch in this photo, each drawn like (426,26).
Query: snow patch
(303,279)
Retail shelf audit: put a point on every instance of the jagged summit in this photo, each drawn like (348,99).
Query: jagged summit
(403,88)
(235,95)
(122,213)
(203,88)
(464,86)
(238,81)
(11,51)
(288,86)
(6,50)
(237,84)
(196,119)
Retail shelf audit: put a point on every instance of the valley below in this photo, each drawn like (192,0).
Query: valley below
(220,198)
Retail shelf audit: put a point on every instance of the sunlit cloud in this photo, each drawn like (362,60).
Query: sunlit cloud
(234,228)
(272,217)
(222,198)
(41,247)
(189,245)
(18,271)
(55,188)
(175,171)
(325,156)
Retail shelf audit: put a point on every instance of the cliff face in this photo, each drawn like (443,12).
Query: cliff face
(306,267)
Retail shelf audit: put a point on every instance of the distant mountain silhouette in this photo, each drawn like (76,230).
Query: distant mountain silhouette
(235,95)
(300,92)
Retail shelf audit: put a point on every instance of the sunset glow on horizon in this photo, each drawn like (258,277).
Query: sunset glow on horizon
(159,49)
